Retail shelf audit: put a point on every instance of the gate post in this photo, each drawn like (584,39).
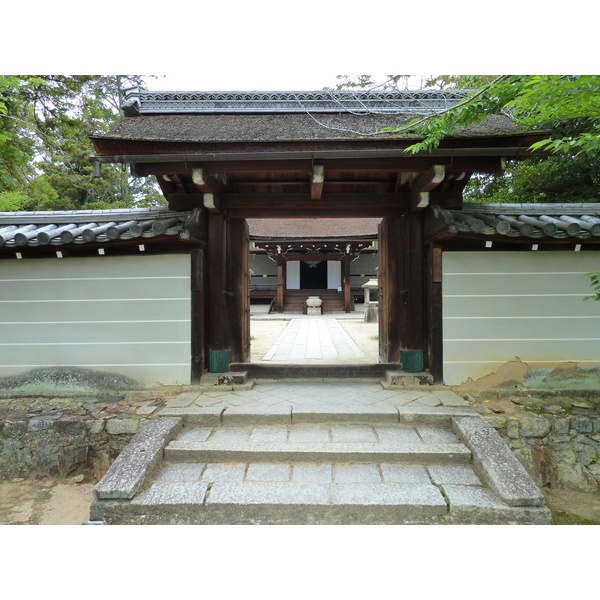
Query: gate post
(401,297)
(228,305)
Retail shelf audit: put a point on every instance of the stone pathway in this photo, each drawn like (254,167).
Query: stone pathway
(320,453)
(314,339)
(307,397)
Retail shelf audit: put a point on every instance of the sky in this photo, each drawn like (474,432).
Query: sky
(274,45)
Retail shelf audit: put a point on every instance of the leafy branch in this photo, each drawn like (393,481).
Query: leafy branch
(595,282)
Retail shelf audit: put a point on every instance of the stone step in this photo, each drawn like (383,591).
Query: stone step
(328,473)
(354,443)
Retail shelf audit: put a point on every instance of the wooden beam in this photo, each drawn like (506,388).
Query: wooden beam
(296,205)
(423,184)
(453,164)
(317,181)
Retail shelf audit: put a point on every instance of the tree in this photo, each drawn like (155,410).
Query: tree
(567,108)
(45,125)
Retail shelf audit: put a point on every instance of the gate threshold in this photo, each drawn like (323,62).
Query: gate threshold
(321,371)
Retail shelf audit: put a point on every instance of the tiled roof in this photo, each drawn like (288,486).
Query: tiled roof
(528,221)
(312,228)
(59,228)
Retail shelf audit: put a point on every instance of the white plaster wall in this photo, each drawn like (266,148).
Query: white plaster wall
(502,305)
(334,274)
(293,275)
(128,315)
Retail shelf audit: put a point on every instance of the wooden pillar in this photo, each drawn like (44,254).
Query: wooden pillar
(196,232)
(217,315)
(198,316)
(346,283)
(238,289)
(435,358)
(389,290)
(401,297)
(280,282)
(228,293)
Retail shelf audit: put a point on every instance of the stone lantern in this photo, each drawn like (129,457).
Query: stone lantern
(371,307)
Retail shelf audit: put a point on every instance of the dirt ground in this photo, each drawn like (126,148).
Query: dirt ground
(44,502)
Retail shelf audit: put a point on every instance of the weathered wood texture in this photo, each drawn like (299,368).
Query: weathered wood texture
(238,304)
(434,324)
(198,317)
(228,287)
(401,293)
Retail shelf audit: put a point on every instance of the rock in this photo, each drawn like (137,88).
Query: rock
(535,426)
(512,428)
(121,426)
(78,479)
(552,409)
(576,476)
(581,425)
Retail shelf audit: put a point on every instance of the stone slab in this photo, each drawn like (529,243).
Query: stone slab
(224,472)
(425,499)
(437,416)
(182,451)
(269,434)
(353,433)
(184,400)
(450,398)
(268,493)
(356,474)
(169,494)
(404,474)
(454,474)
(494,461)
(268,472)
(129,472)
(402,379)
(180,472)
(210,415)
(312,473)
(437,435)
(344,414)
(255,414)
(397,434)
(477,505)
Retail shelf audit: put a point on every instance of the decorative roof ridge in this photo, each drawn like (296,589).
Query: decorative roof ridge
(361,102)
(79,216)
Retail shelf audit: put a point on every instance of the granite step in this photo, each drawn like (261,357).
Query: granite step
(341,442)
(324,473)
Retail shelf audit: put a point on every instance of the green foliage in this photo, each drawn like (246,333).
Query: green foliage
(557,178)
(545,103)
(595,283)
(45,125)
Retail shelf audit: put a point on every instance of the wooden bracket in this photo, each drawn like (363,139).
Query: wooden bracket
(317,181)
(210,188)
(423,184)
